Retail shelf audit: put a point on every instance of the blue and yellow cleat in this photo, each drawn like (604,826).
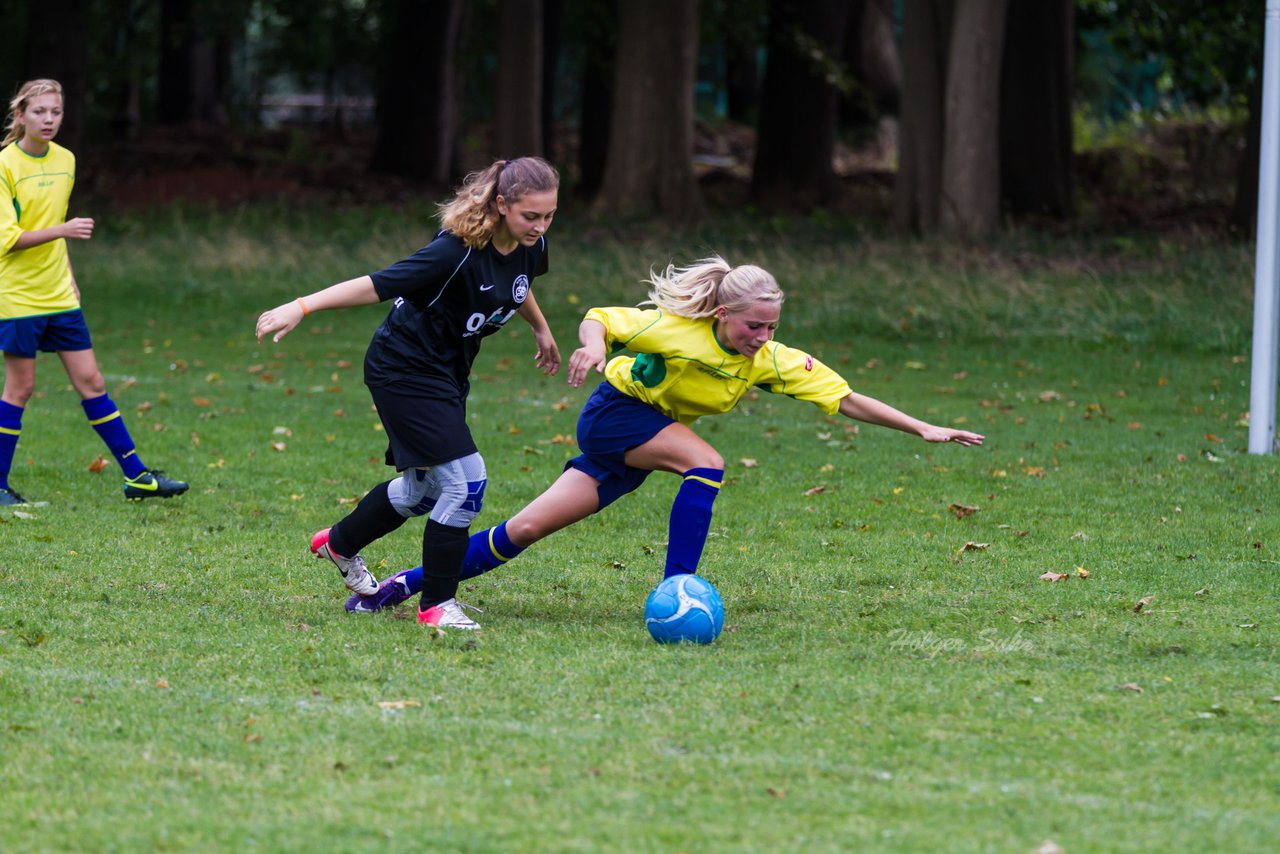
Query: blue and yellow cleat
(152,484)
(9,498)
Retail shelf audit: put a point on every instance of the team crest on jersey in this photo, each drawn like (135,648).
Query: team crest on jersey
(520,288)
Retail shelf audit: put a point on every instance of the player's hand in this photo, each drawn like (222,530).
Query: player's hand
(946,434)
(583,360)
(80,228)
(548,356)
(279,320)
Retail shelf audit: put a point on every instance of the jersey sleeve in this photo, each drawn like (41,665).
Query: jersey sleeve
(428,269)
(9,229)
(797,374)
(628,328)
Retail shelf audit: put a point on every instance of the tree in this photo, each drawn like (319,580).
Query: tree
(594,25)
(649,168)
(517,119)
(926,29)
(803,78)
(1036,85)
(417,109)
(971,151)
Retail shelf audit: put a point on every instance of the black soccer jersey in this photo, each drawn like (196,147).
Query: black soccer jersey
(447,296)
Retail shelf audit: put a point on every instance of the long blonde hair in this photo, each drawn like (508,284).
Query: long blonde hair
(472,214)
(14,128)
(699,289)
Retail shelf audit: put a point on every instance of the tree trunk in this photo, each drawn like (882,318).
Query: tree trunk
(552,16)
(649,169)
(871,54)
(970,204)
(926,34)
(57,47)
(1035,109)
(599,23)
(417,111)
(517,118)
(795,141)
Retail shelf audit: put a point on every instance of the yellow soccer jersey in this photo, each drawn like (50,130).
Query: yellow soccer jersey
(34,193)
(680,368)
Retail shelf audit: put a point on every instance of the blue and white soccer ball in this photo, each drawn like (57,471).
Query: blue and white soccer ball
(684,608)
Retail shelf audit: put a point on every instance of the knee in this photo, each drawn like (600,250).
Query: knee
(90,385)
(18,392)
(525,532)
(709,459)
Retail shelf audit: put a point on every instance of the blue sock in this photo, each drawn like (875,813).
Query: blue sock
(10,428)
(105,419)
(691,520)
(486,550)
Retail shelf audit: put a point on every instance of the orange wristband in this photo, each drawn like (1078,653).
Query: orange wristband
(302,304)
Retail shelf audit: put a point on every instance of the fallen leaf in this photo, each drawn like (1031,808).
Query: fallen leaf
(1212,438)
(278,446)
(200,401)
(962,510)
(98,465)
(1082,572)
(1142,603)
(162,683)
(817,490)
(398,704)
(748,463)
(1203,591)
(971,546)
(1054,576)
(777,793)
(1131,686)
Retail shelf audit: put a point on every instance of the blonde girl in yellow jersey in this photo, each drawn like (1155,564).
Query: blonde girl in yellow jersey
(39,298)
(705,343)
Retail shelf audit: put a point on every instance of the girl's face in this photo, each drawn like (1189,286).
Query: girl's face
(40,121)
(748,330)
(527,218)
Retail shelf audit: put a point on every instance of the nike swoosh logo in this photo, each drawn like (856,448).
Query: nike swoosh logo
(149,487)
(486,287)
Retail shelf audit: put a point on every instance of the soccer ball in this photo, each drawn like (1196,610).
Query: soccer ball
(684,608)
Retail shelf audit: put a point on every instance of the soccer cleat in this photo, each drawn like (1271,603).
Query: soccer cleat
(354,573)
(391,592)
(9,498)
(448,615)
(152,484)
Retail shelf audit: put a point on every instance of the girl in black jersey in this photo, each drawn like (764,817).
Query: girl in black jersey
(461,287)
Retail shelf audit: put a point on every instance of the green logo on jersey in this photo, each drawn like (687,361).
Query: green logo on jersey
(649,369)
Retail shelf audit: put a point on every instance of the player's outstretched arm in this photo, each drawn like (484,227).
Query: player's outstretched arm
(590,355)
(547,356)
(871,411)
(280,321)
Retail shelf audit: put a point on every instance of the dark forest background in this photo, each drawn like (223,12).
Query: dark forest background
(934,116)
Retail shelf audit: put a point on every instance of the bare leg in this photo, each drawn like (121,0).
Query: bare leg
(570,499)
(82,369)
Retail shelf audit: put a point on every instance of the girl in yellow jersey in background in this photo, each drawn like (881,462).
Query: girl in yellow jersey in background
(705,344)
(39,298)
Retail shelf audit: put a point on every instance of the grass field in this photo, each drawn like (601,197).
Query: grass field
(894,674)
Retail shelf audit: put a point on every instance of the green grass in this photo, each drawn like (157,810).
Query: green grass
(180,675)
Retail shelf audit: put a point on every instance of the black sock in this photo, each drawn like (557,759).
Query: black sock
(374,517)
(443,549)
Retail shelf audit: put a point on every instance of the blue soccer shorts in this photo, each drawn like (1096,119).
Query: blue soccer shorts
(48,333)
(611,424)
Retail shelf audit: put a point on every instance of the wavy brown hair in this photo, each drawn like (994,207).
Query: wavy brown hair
(472,214)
